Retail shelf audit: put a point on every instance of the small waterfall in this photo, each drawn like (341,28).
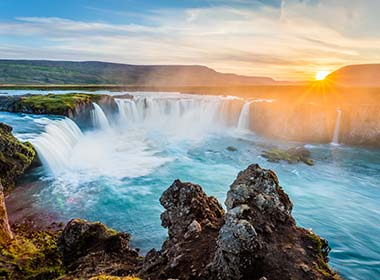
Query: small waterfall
(54,145)
(99,118)
(335,140)
(244,118)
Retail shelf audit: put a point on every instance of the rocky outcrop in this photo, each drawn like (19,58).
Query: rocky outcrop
(5,230)
(291,155)
(316,123)
(91,249)
(15,157)
(193,220)
(76,106)
(260,237)
(256,239)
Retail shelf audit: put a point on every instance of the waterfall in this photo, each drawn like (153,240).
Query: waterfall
(99,118)
(335,140)
(55,144)
(244,118)
(169,112)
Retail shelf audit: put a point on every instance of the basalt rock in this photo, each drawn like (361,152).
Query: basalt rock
(91,249)
(260,238)
(193,220)
(15,157)
(256,239)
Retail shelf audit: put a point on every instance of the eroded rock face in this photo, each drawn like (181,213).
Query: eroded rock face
(260,237)
(5,230)
(256,239)
(91,249)
(193,220)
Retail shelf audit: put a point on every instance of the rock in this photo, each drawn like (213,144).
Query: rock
(5,230)
(90,249)
(15,157)
(245,247)
(76,106)
(231,149)
(292,155)
(193,220)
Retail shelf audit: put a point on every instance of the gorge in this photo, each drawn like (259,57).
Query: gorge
(111,160)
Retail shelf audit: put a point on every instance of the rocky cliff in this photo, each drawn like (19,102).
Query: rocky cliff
(15,157)
(76,106)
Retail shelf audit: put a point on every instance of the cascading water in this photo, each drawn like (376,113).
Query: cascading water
(56,143)
(180,116)
(244,118)
(116,175)
(99,118)
(335,140)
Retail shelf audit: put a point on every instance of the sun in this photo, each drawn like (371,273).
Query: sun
(321,75)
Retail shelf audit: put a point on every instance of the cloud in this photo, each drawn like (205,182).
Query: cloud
(286,40)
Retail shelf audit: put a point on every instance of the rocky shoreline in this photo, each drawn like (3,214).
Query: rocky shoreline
(256,238)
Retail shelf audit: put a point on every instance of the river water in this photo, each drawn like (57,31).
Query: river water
(116,171)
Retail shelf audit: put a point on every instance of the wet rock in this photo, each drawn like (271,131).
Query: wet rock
(231,149)
(260,238)
(193,220)
(91,249)
(5,230)
(292,155)
(15,157)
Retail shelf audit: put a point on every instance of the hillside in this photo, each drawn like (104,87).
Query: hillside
(357,75)
(40,72)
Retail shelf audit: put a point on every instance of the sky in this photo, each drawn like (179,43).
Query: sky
(283,39)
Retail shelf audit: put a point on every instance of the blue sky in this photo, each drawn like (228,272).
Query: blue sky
(284,39)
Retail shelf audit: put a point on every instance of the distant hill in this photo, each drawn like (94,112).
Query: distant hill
(41,72)
(357,75)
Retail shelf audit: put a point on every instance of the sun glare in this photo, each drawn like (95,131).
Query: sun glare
(321,75)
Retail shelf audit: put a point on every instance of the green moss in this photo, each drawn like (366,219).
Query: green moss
(58,104)
(322,266)
(15,157)
(31,255)
(292,155)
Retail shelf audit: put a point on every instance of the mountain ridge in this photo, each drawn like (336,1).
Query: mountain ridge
(42,72)
(356,75)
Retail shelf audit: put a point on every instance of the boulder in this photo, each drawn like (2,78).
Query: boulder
(90,249)
(292,155)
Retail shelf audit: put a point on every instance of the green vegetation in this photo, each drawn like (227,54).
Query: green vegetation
(106,277)
(292,155)
(31,255)
(58,104)
(322,265)
(15,157)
